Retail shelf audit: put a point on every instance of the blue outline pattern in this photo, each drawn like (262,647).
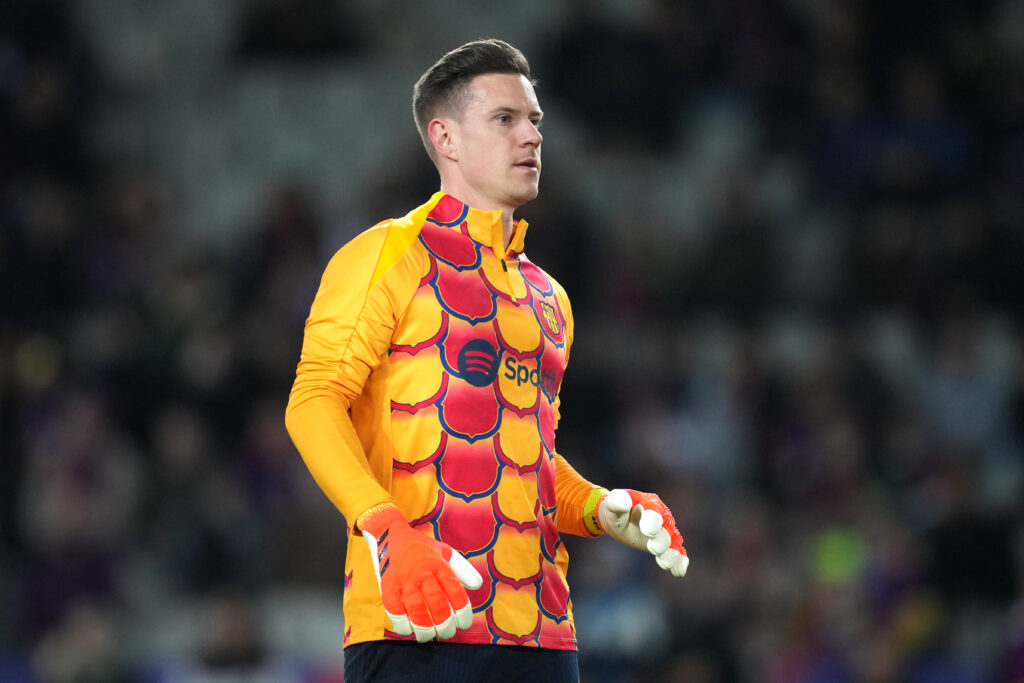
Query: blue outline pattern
(452,223)
(451,311)
(534,296)
(468,497)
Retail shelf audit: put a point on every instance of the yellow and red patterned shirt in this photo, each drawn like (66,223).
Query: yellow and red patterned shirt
(429,377)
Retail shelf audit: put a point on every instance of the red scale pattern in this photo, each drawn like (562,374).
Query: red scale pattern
(497,441)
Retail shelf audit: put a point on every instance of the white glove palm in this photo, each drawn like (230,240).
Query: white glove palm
(642,521)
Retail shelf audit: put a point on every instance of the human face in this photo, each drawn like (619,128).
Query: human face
(496,142)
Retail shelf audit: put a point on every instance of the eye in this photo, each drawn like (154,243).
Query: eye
(503,118)
(537,123)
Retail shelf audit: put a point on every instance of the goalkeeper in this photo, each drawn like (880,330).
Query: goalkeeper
(425,405)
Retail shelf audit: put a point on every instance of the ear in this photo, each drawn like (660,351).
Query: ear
(443,135)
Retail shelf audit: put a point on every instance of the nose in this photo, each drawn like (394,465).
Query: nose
(532,134)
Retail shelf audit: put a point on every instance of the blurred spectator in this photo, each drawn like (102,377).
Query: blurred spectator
(297,29)
(966,390)
(45,90)
(84,647)
(923,148)
(613,78)
(736,272)
(205,529)
(78,508)
(233,648)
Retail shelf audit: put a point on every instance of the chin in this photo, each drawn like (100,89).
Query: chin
(519,201)
(528,195)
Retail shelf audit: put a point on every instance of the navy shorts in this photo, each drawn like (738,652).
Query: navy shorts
(384,661)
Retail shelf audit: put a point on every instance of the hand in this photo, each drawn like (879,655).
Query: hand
(642,521)
(422,581)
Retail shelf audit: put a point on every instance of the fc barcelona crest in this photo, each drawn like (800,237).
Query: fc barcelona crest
(550,318)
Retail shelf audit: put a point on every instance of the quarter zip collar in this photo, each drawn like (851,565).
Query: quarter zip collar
(483,225)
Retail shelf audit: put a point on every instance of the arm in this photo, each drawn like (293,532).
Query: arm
(638,520)
(348,332)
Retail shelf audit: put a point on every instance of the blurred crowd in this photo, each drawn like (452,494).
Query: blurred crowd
(792,233)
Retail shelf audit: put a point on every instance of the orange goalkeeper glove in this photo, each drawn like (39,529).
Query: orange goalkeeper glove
(422,581)
(642,521)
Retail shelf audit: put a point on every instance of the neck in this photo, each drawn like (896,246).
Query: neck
(507,225)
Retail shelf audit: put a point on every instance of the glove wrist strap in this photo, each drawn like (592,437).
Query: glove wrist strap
(591,516)
(378,518)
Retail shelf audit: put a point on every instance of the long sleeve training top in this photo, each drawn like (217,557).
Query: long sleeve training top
(429,378)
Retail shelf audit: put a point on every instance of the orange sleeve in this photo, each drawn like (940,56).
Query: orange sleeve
(577,499)
(347,333)
(574,495)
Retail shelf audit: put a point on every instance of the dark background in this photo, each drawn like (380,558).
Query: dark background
(792,233)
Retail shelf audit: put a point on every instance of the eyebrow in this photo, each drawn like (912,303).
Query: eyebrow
(513,110)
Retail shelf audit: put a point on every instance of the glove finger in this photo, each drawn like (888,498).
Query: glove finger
(650,524)
(419,614)
(681,565)
(437,601)
(424,634)
(635,514)
(399,623)
(458,599)
(667,560)
(464,617)
(660,543)
(446,629)
(669,524)
(467,575)
(455,595)
(391,596)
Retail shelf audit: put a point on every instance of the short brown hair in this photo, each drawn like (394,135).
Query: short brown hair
(443,87)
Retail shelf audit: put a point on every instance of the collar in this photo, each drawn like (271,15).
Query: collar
(483,225)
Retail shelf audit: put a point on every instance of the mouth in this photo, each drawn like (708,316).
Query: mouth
(530,164)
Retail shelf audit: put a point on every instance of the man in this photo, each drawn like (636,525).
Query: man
(426,401)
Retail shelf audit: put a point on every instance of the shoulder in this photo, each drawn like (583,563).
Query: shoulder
(377,250)
(391,239)
(542,280)
(366,243)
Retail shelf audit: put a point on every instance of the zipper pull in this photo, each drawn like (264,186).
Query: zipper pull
(508,278)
